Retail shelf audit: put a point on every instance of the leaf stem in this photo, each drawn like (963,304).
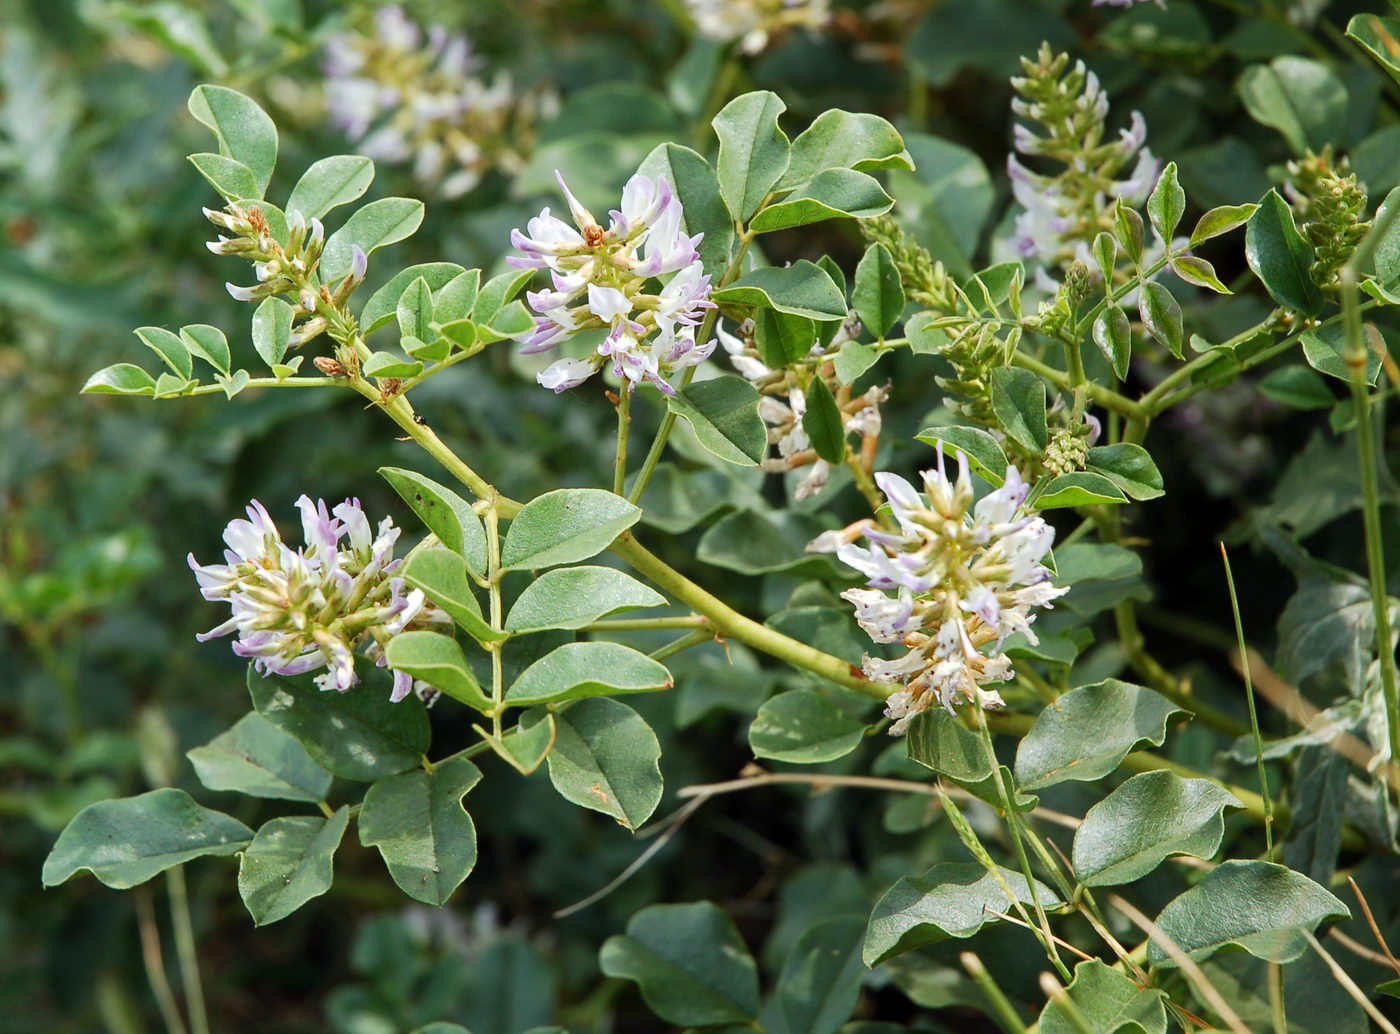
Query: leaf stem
(624,424)
(1253,712)
(185,949)
(493,577)
(1002,1010)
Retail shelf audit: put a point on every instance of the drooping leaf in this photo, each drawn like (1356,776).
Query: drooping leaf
(1086,733)
(1081,488)
(803,289)
(1110,1002)
(1258,906)
(824,422)
(359,734)
(1150,817)
(442,575)
(120,379)
(1326,352)
(803,726)
(1161,315)
(572,597)
(704,210)
(1279,256)
(1114,336)
(753,150)
(422,830)
(832,194)
(1198,272)
(690,963)
(592,669)
(723,413)
(605,758)
(1381,38)
(244,131)
(125,842)
(839,139)
(1128,466)
(820,982)
(272,329)
(878,297)
(1018,399)
(208,343)
(564,527)
(1301,98)
(952,899)
(169,347)
(257,758)
(289,863)
(438,661)
(781,338)
(447,515)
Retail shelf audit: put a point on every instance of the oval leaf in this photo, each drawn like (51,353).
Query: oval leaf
(723,413)
(376,225)
(803,289)
(447,515)
(1114,336)
(289,863)
(1279,256)
(576,596)
(605,758)
(833,194)
(442,575)
(805,727)
(564,527)
(1129,467)
(257,758)
(245,132)
(438,661)
(577,670)
(330,183)
(1018,399)
(878,297)
(753,150)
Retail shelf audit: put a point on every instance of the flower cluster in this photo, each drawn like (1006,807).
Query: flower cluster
(602,279)
(1064,212)
(963,579)
(753,22)
(1330,204)
(296,611)
(285,268)
(784,403)
(407,99)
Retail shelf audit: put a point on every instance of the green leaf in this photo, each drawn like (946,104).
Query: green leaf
(953,899)
(527,745)
(853,359)
(208,343)
(1326,349)
(230,178)
(376,225)
(423,832)
(1387,248)
(762,543)
(447,515)
(257,758)
(690,963)
(1166,204)
(272,329)
(1220,221)
(330,183)
(820,982)
(1161,315)
(455,299)
(878,297)
(1299,387)
(1279,256)
(1258,906)
(804,727)
(415,311)
(984,453)
(169,347)
(564,527)
(939,742)
(803,289)
(437,660)
(1299,97)
(704,210)
(572,597)
(120,379)
(1105,250)
(1128,466)
(1198,272)
(125,842)
(1145,820)
(723,413)
(387,364)
(1114,336)
(1128,230)
(234,382)
(382,307)
(605,758)
(1110,1002)
(676,501)
(1018,400)
(359,734)
(1381,37)
(1086,733)
(824,422)
(244,131)
(782,339)
(496,294)
(839,139)
(289,863)
(753,150)
(595,669)
(833,194)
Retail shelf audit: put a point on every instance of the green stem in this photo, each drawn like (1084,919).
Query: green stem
(1013,824)
(680,621)
(270,382)
(1002,1010)
(185,950)
(624,424)
(1105,397)
(1253,713)
(493,577)
(154,960)
(685,642)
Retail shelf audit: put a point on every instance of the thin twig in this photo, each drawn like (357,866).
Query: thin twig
(1343,978)
(1356,948)
(154,960)
(1002,1009)
(1371,922)
(186,951)
(1058,940)
(1253,711)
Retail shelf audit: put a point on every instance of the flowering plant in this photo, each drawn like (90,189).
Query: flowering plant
(573,590)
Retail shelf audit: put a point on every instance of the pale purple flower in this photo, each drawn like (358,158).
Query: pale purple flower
(296,611)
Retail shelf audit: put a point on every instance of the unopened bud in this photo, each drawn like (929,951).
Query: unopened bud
(329,366)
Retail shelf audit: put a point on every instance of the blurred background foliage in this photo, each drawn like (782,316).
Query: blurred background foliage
(103,686)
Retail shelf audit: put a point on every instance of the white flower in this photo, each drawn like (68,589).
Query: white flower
(752,22)
(295,611)
(964,578)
